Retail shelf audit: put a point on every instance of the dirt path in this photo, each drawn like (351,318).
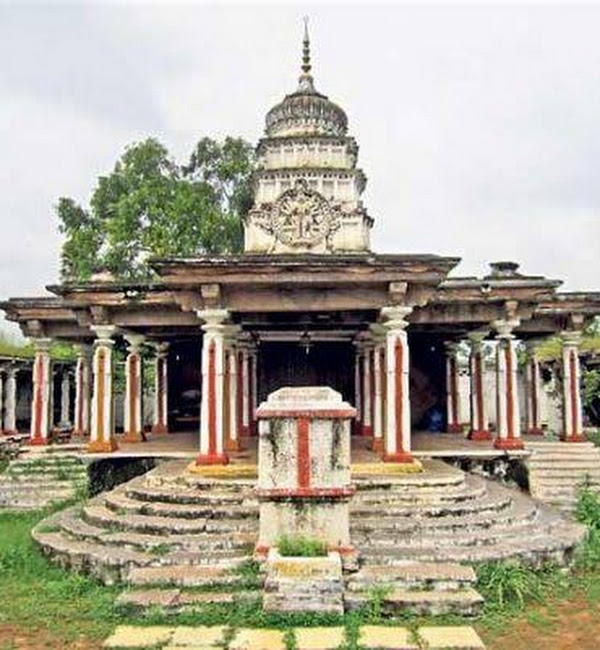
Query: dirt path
(13,637)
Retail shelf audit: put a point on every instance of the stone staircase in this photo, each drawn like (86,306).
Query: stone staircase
(40,478)
(558,470)
(179,540)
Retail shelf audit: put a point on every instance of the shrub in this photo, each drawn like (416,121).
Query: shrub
(509,583)
(298,546)
(588,510)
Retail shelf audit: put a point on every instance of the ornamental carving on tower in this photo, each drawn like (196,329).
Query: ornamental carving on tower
(300,218)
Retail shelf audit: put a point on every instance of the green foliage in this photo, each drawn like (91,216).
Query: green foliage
(587,512)
(11,347)
(509,583)
(299,546)
(149,206)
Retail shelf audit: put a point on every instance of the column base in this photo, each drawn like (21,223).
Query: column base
(479,435)
(377,444)
(159,429)
(535,431)
(102,446)
(233,444)
(39,442)
(508,443)
(578,437)
(398,457)
(454,428)
(212,459)
(134,436)
(9,432)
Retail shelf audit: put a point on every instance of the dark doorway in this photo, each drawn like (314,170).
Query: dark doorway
(185,381)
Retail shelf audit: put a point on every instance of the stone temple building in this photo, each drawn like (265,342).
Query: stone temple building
(307,303)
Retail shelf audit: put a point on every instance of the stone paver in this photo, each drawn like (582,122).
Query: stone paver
(319,638)
(257,640)
(461,637)
(130,636)
(198,636)
(376,637)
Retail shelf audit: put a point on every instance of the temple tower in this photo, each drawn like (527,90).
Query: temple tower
(308,186)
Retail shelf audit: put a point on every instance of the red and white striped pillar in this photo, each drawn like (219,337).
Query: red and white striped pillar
(41,419)
(508,419)
(479,427)
(231,400)
(253,397)
(453,414)
(134,372)
(379,399)
(358,389)
(82,391)
(367,389)
(160,425)
(532,390)
(572,407)
(398,427)
(212,434)
(102,433)
(244,380)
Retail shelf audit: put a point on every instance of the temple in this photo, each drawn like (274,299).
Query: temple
(308,303)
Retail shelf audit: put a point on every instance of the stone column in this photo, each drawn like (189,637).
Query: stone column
(10,401)
(532,390)
(508,420)
(358,389)
(134,392)
(102,432)
(253,390)
(82,391)
(379,401)
(453,414)
(2,399)
(212,439)
(41,419)
(398,432)
(231,400)
(65,399)
(479,429)
(245,385)
(161,390)
(367,389)
(572,407)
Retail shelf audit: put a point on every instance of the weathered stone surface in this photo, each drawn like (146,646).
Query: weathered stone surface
(319,638)
(129,636)
(198,636)
(450,638)
(257,640)
(378,637)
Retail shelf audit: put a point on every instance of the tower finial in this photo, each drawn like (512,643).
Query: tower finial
(306,49)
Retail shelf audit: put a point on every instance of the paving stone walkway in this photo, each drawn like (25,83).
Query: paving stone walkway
(371,637)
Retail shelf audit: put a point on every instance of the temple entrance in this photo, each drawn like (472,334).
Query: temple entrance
(318,364)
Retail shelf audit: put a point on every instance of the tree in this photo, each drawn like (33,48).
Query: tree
(149,206)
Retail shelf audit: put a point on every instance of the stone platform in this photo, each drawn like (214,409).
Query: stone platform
(417,535)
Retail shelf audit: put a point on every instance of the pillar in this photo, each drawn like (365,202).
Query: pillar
(367,389)
(65,399)
(398,433)
(245,386)
(82,391)
(134,373)
(10,401)
(212,439)
(532,390)
(2,399)
(453,414)
(572,407)
(41,420)
(479,427)
(508,420)
(231,400)
(253,390)
(379,382)
(161,389)
(358,390)
(102,432)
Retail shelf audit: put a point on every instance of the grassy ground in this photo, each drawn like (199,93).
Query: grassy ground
(42,606)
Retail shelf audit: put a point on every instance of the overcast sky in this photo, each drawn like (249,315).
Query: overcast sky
(478,126)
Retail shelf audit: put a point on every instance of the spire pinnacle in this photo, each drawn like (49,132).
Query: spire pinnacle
(305,83)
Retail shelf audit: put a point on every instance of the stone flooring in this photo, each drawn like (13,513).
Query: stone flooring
(371,637)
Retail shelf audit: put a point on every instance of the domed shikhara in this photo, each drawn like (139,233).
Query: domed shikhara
(308,187)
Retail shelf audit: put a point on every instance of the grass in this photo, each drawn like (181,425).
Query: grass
(299,546)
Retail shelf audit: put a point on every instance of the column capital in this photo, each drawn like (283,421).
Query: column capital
(477,337)
(451,347)
(41,344)
(134,341)
(212,317)
(394,317)
(378,332)
(571,338)
(82,350)
(104,334)
(504,328)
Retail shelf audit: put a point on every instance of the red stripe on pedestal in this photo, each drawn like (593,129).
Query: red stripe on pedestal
(303,454)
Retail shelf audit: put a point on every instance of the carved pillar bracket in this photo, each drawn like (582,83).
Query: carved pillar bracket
(507,400)
(479,427)
(453,414)
(572,406)
(41,419)
(102,433)
(397,445)
(160,425)
(212,429)
(82,390)
(133,404)
(533,404)
(10,401)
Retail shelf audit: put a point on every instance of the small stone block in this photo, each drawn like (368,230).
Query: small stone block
(198,636)
(319,638)
(148,598)
(461,637)
(257,640)
(130,636)
(378,637)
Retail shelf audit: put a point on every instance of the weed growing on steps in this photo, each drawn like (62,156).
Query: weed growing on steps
(161,550)
(299,546)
